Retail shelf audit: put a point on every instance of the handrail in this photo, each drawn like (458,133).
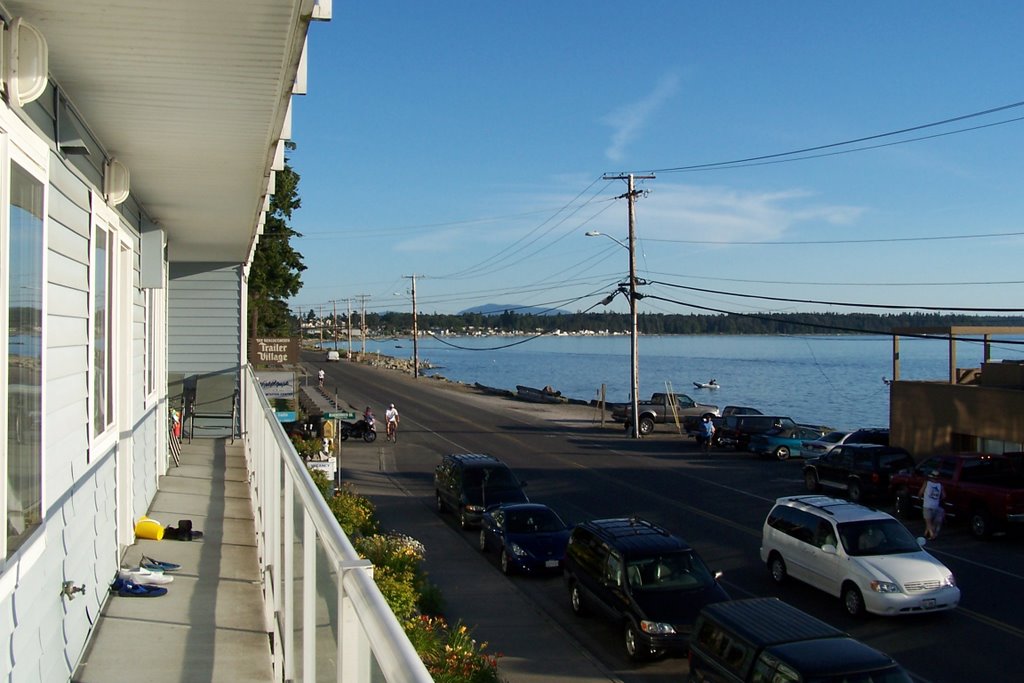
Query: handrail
(277,474)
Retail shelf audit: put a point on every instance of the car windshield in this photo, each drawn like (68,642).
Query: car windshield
(490,477)
(532,521)
(877,537)
(891,675)
(679,570)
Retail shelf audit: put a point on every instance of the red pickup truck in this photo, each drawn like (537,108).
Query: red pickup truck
(987,490)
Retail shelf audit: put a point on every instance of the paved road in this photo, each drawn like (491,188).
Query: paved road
(718,503)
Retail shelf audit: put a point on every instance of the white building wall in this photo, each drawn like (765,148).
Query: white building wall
(42,633)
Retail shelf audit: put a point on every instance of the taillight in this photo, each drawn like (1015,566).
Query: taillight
(876,477)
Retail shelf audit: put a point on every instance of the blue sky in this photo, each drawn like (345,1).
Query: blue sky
(466,142)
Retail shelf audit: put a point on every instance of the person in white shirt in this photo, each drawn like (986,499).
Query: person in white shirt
(932,494)
(391,417)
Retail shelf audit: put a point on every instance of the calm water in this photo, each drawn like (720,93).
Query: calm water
(833,380)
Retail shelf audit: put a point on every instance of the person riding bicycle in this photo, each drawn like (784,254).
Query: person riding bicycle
(320,375)
(391,417)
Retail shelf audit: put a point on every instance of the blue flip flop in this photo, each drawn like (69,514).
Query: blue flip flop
(158,565)
(127,589)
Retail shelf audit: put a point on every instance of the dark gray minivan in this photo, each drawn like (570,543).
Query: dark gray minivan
(765,640)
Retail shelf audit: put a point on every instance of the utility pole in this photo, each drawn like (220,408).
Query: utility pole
(348,324)
(321,321)
(415,331)
(334,322)
(634,366)
(362,324)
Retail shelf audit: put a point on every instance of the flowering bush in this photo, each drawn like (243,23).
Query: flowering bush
(398,552)
(450,653)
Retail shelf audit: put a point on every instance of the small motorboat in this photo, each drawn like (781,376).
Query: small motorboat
(713,384)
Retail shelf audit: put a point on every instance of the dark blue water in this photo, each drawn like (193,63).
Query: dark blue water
(831,380)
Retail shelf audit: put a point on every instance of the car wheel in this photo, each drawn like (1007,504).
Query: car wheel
(576,600)
(634,646)
(646,425)
(483,541)
(440,503)
(506,563)
(981,523)
(904,508)
(854,492)
(782,453)
(811,481)
(853,601)
(777,568)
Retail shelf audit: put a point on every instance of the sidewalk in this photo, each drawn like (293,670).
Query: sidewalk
(534,648)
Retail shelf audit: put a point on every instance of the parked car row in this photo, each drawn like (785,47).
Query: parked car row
(653,585)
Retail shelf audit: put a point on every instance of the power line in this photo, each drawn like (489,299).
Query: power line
(847,284)
(823,326)
(880,240)
(841,303)
(831,145)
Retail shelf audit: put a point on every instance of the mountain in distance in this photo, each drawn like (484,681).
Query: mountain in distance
(498,309)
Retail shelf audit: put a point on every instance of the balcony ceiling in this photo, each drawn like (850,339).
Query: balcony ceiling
(190,94)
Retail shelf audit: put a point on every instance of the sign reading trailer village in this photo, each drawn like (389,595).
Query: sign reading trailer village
(273,350)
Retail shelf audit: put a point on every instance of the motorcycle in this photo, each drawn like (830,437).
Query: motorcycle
(361,429)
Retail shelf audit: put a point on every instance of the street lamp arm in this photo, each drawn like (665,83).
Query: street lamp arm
(595,233)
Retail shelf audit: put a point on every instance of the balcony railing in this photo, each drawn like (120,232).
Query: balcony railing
(326,616)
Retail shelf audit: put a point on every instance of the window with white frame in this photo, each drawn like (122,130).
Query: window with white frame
(104,253)
(24,185)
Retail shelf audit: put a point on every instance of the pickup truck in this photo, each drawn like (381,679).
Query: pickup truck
(659,410)
(987,490)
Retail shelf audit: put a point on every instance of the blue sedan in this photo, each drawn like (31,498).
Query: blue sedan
(783,443)
(530,537)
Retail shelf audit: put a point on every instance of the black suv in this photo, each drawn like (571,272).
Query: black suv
(765,639)
(469,483)
(860,469)
(647,581)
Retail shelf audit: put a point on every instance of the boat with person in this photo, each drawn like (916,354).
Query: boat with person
(710,384)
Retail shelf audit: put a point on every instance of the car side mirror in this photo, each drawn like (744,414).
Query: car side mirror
(829,549)
(921,541)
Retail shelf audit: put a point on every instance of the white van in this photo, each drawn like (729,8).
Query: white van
(863,556)
(333,355)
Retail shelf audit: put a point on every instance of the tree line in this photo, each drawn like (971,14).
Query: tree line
(510,322)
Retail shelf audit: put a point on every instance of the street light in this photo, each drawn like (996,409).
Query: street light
(634,366)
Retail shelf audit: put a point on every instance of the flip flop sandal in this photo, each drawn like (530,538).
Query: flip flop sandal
(127,589)
(144,577)
(158,565)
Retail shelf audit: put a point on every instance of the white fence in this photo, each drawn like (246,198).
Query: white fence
(328,620)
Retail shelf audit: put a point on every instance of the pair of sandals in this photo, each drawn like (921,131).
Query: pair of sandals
(144,581)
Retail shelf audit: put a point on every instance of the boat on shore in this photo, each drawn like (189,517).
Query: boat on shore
(545,395)
(493,391)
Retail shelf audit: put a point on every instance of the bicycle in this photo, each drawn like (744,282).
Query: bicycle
(392,431)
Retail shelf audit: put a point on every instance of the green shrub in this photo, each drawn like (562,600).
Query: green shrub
(322,483)
(354,513)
